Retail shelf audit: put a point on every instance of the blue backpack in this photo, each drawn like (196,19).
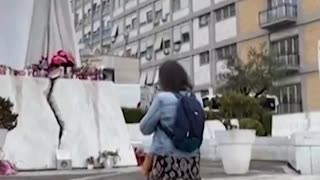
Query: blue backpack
(187,131)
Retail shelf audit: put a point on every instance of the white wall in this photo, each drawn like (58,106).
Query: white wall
(129,18)
(86,8)
(200,35)
(184,11)
(119,10)
(87,29)
(79,11)
(160,55)
(78,36)
(264,148)
(131,4)
(185,47)
(200,4)
(226,29)
(143,13)
(201,73)
(186,63)
(96,25)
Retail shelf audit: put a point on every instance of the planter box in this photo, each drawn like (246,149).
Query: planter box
(235,148)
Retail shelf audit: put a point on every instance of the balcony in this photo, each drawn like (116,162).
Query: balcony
(279,16)
(289,108)
(290,62)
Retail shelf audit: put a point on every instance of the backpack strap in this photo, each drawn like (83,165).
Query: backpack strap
(166,130)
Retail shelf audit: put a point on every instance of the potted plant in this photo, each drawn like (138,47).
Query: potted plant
(235,144)
(109,159)
(8,119)
(90,162)
(243,83)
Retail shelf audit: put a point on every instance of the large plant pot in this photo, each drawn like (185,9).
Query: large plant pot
(235,147)
(3,135)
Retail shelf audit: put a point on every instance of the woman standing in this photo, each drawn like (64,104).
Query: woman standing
(167,162)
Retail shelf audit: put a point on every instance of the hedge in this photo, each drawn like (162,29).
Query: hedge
(262,126)
(252,124)
(135,115)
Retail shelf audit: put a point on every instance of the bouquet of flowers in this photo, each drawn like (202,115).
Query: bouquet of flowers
(90,162)
(108,159)
(7,168)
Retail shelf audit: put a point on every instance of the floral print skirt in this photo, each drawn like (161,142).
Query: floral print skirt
(172,168)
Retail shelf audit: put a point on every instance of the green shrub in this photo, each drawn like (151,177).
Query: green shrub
(8,119)
(212,115)
(132,115)
(235,105)
(252,124)
(266,120)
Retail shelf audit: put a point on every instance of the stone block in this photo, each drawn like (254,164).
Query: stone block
(32,144)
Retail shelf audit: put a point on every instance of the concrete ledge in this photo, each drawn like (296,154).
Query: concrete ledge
(264,148)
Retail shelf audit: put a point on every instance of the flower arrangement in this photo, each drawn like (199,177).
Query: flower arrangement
(62,64)
(90,162)
(108,159)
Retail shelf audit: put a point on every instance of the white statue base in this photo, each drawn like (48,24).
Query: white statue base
(304,152)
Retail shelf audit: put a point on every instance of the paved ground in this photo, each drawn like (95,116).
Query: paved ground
(210,170)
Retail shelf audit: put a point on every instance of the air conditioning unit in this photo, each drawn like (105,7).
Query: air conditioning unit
(64,160)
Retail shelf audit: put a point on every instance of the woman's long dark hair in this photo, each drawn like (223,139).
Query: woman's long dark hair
(173,77)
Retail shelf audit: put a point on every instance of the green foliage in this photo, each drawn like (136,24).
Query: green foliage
(255,75)
(132,115)
(8,119)
(266,120)
(252,124)
(235,105)
(212,115)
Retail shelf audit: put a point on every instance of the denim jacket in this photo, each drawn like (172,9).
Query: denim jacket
(162,109)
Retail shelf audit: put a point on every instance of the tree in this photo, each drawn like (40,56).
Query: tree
(255,75)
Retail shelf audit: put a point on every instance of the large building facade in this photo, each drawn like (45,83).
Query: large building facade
(201,34)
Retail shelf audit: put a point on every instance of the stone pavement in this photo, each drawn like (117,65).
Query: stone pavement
(260,170)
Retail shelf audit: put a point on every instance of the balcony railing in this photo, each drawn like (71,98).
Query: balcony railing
(289,61)
(281,15)
(290,108)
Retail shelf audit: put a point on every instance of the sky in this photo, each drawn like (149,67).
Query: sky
(15,20)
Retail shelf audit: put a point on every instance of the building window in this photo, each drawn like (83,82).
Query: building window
(290,99)
(204,58)
(204,20)
(275,3)
(287,51)
(288,46)
(134,23)
(166,44)
(227,52)
(149,17)
(185,37)
(176,5)
(94,8)
(225,12)
(158,17)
